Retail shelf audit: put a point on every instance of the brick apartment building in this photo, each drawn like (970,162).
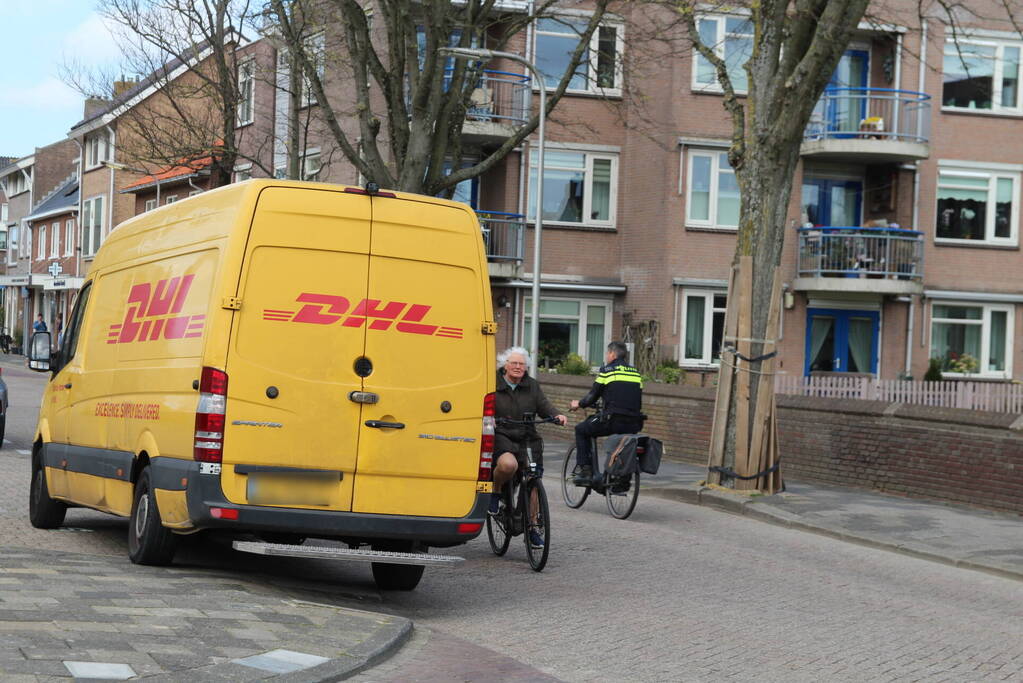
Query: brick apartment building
(903,231)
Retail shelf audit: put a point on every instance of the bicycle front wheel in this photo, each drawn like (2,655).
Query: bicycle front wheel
(539,530)
(498,533)
(574,495)
(622,495)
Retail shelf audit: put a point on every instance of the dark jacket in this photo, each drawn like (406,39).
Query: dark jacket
(528,397)
(621,388)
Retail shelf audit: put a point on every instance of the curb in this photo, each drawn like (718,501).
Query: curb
(746,507)
(367,654)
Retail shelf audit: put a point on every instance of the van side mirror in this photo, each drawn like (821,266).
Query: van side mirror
(39,352)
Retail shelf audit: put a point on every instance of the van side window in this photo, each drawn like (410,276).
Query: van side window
(74,328)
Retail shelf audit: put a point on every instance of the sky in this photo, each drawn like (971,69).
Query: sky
(36,108)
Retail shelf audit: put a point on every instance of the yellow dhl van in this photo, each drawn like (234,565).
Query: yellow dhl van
(282,359)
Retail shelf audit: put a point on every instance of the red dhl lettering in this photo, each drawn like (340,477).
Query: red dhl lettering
(328,309)
(152,313)
(128,410)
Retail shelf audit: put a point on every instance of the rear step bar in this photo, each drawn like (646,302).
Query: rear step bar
(330,553)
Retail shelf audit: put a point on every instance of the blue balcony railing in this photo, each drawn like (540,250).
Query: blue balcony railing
(861,252)
(503,235)
(872,113)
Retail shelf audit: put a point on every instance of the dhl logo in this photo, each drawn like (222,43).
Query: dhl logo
(152,313)
(327,309)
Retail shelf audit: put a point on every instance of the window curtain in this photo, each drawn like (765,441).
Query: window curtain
(996,350)
(861,337)
(819,331)
(694,327)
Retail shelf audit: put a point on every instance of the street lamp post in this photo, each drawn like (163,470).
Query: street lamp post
(474,53)
(117,166)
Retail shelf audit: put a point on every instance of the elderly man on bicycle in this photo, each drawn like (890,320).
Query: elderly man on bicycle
(518,395)
(621,387)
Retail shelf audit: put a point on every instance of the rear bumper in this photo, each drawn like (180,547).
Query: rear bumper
(203,492)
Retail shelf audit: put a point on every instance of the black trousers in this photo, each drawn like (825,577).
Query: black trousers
(595,425)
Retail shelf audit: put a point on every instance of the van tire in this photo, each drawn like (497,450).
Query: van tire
(398,577)
(43,512)
(149,541)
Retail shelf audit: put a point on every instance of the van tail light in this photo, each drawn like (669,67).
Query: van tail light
(487,438)
(209,416)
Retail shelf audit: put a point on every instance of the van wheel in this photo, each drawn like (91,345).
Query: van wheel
(397,577)
(43,512)
(149,542)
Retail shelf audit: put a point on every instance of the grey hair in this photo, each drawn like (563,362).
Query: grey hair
(502,357)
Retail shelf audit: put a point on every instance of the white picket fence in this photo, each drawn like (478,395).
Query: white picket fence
(998,397)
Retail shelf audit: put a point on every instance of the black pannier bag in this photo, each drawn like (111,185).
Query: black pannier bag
(627,452)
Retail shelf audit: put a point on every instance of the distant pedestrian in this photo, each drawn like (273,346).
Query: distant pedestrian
(39,325)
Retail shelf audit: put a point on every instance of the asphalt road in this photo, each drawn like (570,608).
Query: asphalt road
(676,592)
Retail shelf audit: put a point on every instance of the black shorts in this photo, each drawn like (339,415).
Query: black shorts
(502,444)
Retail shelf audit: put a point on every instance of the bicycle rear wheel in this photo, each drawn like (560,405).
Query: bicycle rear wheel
(574,495)
(537,554)
(622,496)
(497,531)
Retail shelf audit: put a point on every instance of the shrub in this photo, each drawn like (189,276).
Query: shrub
(573,364)
(669,372)
(933,373)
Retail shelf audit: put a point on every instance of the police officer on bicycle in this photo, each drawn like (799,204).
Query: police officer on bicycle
(518,395)
(621,388)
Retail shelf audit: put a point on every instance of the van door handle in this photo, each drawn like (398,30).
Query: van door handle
(380,424)
(68,385)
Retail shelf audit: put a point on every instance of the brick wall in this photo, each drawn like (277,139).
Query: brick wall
(959,456)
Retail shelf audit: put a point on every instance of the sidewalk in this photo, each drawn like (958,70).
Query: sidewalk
(960,536)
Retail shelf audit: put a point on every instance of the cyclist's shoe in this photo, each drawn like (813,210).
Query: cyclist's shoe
(495,503)
(583,476)
(535,539)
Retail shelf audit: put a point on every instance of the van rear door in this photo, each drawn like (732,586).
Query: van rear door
(420,444)
(291,434)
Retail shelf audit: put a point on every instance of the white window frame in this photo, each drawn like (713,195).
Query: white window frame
(97,149)
(719,49)
(952,48)
(593,51)
(985,336)
(150,205)
(989,229)
(55,240)
(12,245)
(311,160)
(26,243)
(170,199)
(69,237)
(41,241)
(590,156)
(241,172)
(89,223)
(247,92)
(711,222)
(582,318)
(706,359)
(315,48)
(194,193)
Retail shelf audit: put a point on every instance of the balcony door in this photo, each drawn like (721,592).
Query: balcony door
(846,108)
(832,203)
(840,340)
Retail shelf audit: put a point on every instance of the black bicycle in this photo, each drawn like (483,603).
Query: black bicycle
(513,517)
(621,493)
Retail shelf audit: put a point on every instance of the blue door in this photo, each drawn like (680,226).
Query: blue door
(832,203)
(840,340)
(847,95)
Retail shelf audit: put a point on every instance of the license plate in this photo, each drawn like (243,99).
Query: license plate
(310,488)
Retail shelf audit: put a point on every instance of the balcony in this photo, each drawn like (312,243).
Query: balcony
(498,106)
(874,125)
(865,260)
(503,236)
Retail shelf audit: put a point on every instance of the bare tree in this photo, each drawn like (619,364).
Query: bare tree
(394,106)
(186,51)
